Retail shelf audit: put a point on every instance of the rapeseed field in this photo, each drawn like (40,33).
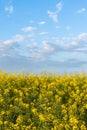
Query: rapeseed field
(43,102)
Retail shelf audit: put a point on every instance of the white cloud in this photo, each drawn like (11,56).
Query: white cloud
(47,46)
(40,53)
(29,29)
(67,44)
(19,38)
(43,33)
(64,44)
(70,43)
(82,10)
(31,36)
(59,6)
(83,36)
(80,40)
(9,9)
(42,22)
(55,53)
(33,45)
(12,47)
(54,14)
(16,39)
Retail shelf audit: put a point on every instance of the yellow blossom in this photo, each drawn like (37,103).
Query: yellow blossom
(41,117)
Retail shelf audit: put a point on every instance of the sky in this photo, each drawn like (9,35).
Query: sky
(43,34)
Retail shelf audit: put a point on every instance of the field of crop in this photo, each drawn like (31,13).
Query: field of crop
(43,102)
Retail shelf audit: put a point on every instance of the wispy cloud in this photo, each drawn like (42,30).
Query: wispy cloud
(38,54)
(76,44)
(59,45)
(29,29)
(59,6)
(47,46)
(80,42)
(41,22)
(41,53)
(43,33)
(54,14)
(11,47)
(72,44)
(16,39)
(9,9)
(82,10)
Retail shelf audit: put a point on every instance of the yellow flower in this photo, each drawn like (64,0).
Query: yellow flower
(20,93)
(73,121)
(16,126)
(78,91)
(49,93)
(2,112)
(75,127)
(6,91)
(41,117)
(34,128)
(65,117)
(1,100)
(1,122)
(61,126)
(64,111)
(34,110)
(85,106)
(6,122)
(67,127)
(19,119)
(26,106)
(83,127)
(15,90)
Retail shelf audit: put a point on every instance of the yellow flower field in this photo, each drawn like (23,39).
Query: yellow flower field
(43,102)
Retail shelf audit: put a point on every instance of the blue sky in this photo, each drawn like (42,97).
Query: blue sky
(38,34)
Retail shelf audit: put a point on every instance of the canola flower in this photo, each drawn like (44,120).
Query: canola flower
(43,102)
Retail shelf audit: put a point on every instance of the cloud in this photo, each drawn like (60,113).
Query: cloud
(54,14)
(31,36)
(9,9)
(41,22)
(71,44)
(26,64)
(43,33)
(56,53)
(82,10)
(16,39)
(59,6)
(66,44)
(47,47)
(80,40)
(12,47)
(61,45)
(40,53)
(29,29)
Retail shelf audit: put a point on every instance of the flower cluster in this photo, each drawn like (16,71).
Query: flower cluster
(43,102)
